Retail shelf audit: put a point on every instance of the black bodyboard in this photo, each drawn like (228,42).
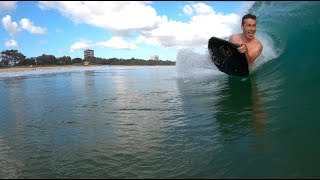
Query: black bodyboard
(227,58)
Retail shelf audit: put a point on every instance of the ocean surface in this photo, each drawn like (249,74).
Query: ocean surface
(183,121)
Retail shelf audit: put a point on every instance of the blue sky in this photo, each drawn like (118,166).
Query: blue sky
(125,29)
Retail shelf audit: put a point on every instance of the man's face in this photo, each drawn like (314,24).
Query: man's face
(249,28)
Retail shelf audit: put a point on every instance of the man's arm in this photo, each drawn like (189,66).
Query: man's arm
(242,47)
(254,54)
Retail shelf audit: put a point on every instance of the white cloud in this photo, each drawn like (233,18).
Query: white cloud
(117,43)
(114,16)
(7,5)
(147,40)
(80,45)
(26,24)
(201,8)
(196,32)
(11,44)
(187,10)
(12,27)
(197,9)
(125,16)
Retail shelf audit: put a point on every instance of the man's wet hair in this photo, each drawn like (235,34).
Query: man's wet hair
(248,16)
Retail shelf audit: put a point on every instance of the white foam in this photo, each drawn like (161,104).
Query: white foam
(196,64)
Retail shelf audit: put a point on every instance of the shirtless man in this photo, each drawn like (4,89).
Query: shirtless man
(249,44)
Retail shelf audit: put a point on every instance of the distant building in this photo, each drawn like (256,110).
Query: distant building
(154,57)
(88,53)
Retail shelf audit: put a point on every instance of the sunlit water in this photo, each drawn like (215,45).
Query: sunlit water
(141,122)
(183,121)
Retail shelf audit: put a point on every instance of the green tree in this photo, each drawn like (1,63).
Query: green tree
(64,60)
(30,61)
(76,60)
(45,59)
(11,58)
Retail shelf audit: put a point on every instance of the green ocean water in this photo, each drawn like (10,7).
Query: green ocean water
(278,103)
(183,121)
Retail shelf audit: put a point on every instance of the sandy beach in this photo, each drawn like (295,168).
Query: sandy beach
(41,68)
(28,68)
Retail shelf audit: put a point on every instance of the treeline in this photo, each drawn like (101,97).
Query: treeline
(15,58)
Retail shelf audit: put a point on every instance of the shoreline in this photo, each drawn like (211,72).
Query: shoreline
(32,68)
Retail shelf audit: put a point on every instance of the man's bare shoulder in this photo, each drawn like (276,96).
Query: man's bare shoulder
(235,38)
(258,43)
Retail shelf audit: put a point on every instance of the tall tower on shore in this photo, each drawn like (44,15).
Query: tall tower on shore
(88,53)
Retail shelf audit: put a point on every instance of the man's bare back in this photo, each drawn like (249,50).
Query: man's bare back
(249,44)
